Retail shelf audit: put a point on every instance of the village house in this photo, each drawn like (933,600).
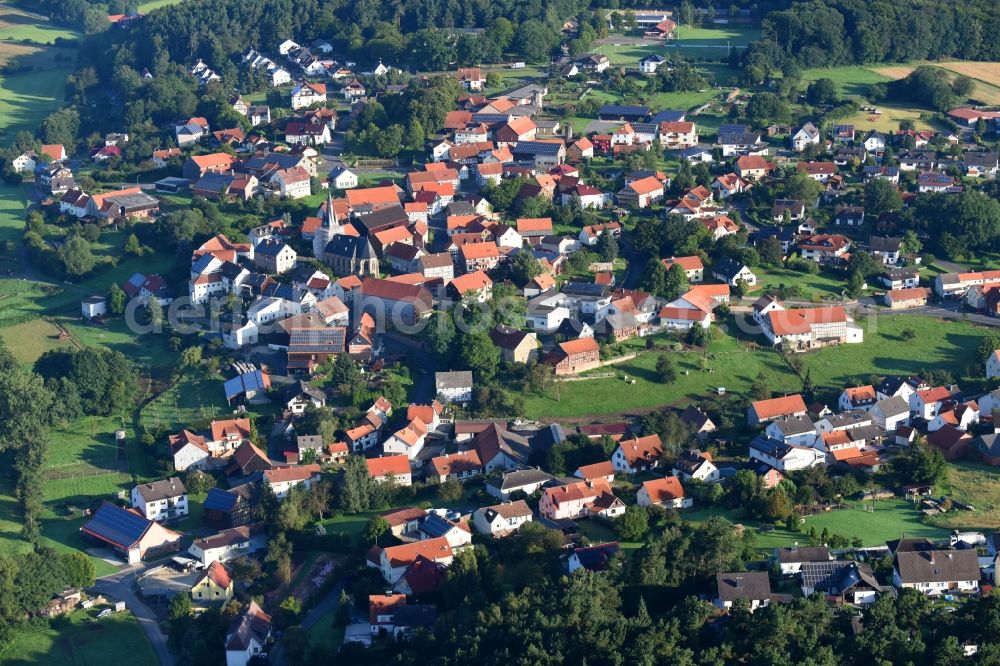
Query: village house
(752,586)
(527,481)
(934,572)
(162,501)
(637,455)
(214,586)
(501,520)
(697,465)
(665,492)
(129,534)
(395,467)
(580,500)
(785,457)
(248,635)
(282,479)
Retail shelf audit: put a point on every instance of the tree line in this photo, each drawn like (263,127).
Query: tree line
(832,33)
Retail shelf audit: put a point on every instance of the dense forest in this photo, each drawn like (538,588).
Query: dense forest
(830,33)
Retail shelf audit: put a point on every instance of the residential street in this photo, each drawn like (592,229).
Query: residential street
(121,586)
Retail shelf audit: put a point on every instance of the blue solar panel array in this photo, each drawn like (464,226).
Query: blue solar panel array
(435,526)
(220,500)
(117,525)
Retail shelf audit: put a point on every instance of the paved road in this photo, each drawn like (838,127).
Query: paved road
(121,585)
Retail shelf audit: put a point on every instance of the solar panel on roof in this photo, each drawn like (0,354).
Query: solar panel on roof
(219,500)
(116,525)
(323,340)
(435,526)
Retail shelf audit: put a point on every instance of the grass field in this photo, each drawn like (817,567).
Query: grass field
(976,484)
(939,344)
(890,117)
(816,286)
(35,56)
(82,640)
(30,339)
(27,98)
(18,25)
(149,5)
(714,42)
(195,397)
(849,80)
(890,520)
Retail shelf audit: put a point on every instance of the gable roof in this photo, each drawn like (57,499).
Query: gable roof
(662,490)
(641,449)
(752,585)
(398,465)
(937,566)
(113,524)
(774,407)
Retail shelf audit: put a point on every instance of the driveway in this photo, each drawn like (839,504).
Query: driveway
(121,585)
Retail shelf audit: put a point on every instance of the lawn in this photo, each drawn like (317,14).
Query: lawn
(815,286)
(890,520)
(351,524)
(27,98)
(714,42)
(87,442)
(18,25)
(938,344)
(598,532)
(30,339)
(732,367)
(82,640)
(11,227)
(325,632)
(849,80)
(629,54)
(196,397)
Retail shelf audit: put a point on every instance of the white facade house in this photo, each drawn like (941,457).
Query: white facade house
(281,480)
(785,457)
(229,544)
(161,500)
(934,572)
(993,365)
(455,386)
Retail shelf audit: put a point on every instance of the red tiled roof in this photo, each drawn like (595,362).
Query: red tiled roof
(642,449)
(386,465)
(666,489)
(784,406)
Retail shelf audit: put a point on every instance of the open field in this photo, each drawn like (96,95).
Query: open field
(194,398)
(30,339)
(34,56)
(149,5)
(27,98)
(976,484)
(890,520)
(715,42)
(83,640)
(18,25)
(939,344)
(985,74)
(889,119)
(849,80)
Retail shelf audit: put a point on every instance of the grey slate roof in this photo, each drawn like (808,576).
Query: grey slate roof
(935,566)
(751,585)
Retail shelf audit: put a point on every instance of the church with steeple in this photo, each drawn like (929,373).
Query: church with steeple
(342,249)
(331,227)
